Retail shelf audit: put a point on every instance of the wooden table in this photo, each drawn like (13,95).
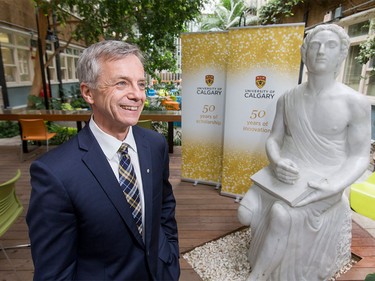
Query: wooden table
(80,116)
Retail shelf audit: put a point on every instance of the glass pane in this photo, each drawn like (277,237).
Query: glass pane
(7,55)
(353,69)
(372,63)
(64,75)
(34,43)
(49,47)
(51,68)
(358,29)
(70,68)
(10,73)
(371,86)
(52,73)
(62,61)
(5,37)
(22,40)
(23,65)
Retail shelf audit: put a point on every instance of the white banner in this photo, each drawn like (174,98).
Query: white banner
(263,62)
(203,90)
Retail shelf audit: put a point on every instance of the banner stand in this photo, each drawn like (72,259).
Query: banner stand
(196,182)
(204,60)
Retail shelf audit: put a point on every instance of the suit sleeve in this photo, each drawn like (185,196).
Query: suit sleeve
(169,235)
(52,226)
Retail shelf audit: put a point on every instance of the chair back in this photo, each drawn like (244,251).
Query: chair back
(33,129)
(145,124)
(10,206)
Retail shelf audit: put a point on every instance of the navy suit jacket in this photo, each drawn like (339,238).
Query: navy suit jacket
(80,225)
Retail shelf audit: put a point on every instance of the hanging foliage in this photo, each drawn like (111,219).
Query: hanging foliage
(274,10)
(366,51)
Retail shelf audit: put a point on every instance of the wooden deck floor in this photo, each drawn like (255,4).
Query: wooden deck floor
(202,215)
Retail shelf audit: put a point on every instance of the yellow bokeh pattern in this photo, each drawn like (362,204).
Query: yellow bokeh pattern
(272,47)
(238,167)
(204,50)
(201,160)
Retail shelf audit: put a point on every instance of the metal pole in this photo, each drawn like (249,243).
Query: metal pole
(58,64)
(41,61)
(3,84)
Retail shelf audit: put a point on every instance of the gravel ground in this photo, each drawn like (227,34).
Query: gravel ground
(225,259)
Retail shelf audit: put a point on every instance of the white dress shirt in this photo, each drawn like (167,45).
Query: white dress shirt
(110,145)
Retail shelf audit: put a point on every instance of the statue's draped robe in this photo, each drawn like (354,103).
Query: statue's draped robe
(320,234)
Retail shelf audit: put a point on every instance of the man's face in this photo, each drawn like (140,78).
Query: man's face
(118,100)
(323,53)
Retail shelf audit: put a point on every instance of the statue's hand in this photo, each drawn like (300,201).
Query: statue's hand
(321,191)
(286,171)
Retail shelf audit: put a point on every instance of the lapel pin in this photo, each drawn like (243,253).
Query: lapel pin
(148,171)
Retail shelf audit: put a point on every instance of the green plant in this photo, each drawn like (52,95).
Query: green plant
(274,10)
(38,103)
(62,133)
(227,14)
(162,128)
(177,139)
(9,129)
(55,103)
(66,106)
(366,51)
(77,100)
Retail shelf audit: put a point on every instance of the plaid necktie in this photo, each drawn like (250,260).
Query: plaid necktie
(129,185)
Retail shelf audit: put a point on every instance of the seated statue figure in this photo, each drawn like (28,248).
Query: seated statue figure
(321,126)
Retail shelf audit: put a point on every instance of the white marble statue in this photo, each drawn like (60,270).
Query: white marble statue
(321,126)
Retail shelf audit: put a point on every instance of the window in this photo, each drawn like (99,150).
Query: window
(371,86)
(15,49)
(353,69)
(356,75)
(19,51)
(358,29)
(68,61)
(10,68)
(24,65)
(5,37)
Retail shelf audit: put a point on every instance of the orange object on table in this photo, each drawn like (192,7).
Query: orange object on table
(171,105)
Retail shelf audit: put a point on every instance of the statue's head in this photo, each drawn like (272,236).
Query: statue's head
(343,38)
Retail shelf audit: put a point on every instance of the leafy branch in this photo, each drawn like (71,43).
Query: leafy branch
(274,10)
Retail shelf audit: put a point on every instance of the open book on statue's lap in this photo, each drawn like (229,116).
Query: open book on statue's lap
(290,193)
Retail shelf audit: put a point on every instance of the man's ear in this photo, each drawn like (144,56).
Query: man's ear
(86,93)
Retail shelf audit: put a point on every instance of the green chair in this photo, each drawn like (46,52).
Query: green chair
(362,197)
(145,124)
(10,209)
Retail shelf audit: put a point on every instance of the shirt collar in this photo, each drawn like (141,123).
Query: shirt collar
(110,144)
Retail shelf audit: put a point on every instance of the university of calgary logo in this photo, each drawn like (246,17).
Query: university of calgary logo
(209,80)
(260,81)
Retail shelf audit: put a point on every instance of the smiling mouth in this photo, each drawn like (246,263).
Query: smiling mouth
(131,108)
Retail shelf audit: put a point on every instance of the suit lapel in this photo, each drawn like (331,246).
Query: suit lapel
(97,163)
(144,156)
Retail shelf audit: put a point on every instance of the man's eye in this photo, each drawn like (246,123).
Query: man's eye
(121,84)
(142,86)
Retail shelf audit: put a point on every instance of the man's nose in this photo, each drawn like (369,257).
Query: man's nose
(136,92)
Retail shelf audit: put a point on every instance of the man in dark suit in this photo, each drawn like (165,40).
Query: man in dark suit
(81,225)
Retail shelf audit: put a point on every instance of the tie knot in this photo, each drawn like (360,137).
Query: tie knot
(123,148)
